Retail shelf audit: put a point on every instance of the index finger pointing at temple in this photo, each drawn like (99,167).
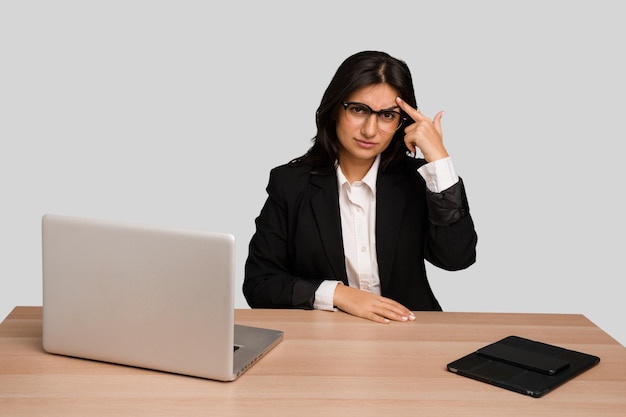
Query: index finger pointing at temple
(408,109)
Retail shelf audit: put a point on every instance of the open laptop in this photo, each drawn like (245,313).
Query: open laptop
(149,297)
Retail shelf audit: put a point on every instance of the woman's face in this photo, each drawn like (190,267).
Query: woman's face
(362,138)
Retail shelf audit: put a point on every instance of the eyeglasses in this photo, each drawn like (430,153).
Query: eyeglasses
(358,113)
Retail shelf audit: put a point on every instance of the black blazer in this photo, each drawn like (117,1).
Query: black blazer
(298,241)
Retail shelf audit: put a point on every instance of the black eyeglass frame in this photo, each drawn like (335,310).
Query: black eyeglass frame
(403,119)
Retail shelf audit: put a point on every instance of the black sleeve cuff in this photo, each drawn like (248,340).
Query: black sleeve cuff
(448,206)
(303,294)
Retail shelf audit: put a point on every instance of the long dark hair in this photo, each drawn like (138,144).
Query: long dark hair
(359,70)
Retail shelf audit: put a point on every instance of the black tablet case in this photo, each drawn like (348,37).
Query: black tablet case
(522,365)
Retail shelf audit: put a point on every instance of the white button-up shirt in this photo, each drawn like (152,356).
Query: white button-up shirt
(357,205)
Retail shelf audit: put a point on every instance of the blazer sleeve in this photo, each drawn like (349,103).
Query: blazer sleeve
(452,236)
(268,279)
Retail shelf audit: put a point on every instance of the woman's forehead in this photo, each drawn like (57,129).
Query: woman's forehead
(377,96)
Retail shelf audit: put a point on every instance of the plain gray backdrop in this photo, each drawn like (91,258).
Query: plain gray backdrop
(172,113)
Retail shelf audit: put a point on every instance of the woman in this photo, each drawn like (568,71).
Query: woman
(349,224)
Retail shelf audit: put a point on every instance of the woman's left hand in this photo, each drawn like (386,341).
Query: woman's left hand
(424,134)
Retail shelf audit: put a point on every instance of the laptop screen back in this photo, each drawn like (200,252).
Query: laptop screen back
(144,296)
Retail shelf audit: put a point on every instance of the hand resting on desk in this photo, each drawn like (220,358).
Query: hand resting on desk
(370,306)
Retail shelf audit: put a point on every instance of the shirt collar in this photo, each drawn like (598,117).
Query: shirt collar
(369,179)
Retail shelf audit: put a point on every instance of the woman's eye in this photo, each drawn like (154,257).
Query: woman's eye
(359,109)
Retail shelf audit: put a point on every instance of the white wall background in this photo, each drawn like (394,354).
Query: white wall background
(173,112)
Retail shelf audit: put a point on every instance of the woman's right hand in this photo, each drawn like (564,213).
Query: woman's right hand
(370,306)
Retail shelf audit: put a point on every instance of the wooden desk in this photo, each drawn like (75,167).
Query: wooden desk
(329,364)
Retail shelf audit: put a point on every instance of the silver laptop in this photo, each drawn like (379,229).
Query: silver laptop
(150,297)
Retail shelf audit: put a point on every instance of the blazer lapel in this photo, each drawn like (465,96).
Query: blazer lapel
(325,206)
(390,202)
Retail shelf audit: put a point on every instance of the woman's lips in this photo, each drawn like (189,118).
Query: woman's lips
(365,144)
